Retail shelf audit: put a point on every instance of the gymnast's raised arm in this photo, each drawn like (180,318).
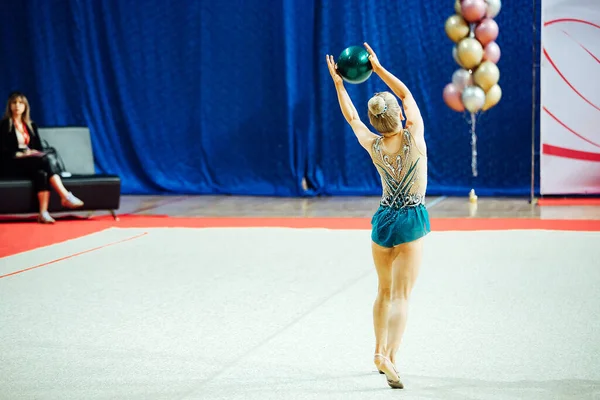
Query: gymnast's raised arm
(413,114)
(361,131)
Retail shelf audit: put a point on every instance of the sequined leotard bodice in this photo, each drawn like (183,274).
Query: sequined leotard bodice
(403,174)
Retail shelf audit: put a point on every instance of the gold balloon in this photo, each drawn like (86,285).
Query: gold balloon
(487,75)
(456,28)
(470,52)
(457,7)
(455,56)
(492,97)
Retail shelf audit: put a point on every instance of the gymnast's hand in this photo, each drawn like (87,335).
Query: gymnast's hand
(373,58)
(337,79)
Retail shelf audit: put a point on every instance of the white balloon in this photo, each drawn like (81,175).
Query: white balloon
(462,78)
(493,8)
(473,98)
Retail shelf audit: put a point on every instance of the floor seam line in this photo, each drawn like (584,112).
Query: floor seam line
(277,333)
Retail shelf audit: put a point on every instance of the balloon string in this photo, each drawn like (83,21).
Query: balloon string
(473,145)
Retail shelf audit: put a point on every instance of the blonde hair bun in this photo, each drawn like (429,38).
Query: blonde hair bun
(384,113)
(377,105)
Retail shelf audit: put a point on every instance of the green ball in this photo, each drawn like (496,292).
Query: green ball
(354,65)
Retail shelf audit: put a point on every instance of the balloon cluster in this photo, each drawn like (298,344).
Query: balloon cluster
(472,28)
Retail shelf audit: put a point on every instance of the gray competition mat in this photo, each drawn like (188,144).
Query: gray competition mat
(286,314)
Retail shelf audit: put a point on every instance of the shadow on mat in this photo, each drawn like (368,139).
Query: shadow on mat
(428,387)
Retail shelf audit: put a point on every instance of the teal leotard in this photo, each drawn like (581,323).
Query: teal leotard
(402,216)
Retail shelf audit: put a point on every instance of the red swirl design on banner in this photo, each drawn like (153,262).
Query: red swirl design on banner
(583,47)
(580,21)
(570,153)
(554,117)
(560,151)
(567,81)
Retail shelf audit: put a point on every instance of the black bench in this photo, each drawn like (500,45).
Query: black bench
(97,191)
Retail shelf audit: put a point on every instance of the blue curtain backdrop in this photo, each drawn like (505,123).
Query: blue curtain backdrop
(234,97)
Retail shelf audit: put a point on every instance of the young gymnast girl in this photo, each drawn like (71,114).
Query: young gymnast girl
(401,222)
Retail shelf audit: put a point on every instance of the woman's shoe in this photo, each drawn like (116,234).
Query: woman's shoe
(394,381)
(71,201)
(45,218)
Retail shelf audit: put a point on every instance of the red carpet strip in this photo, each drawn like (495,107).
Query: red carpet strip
(17,237)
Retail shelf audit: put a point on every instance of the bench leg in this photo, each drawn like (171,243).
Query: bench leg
(114,214)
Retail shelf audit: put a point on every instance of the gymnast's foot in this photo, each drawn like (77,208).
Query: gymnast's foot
(392,361)
(389,369)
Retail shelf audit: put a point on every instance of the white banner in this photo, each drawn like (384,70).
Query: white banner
(570,97)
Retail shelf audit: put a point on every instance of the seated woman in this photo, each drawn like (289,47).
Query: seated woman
(22,156)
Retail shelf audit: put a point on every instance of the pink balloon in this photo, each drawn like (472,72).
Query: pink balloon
(491,52)
(452,98)
(473,10)
(487,31)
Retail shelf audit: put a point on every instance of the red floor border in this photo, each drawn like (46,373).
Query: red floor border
(589,201)
(73,255)
(437,224)
(23,236)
